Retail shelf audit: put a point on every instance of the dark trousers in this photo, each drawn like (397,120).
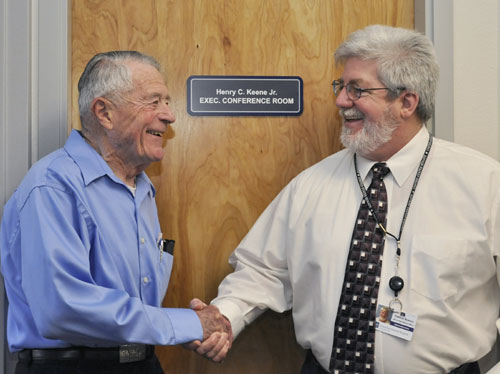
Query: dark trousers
(312,366)
(150,365)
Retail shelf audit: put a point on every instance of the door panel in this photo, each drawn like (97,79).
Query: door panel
(219,173)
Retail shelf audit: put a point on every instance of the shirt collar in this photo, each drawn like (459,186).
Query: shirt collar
(404,162)
(92,165)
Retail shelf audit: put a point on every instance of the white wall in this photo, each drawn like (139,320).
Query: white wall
(476,57)
(467,39)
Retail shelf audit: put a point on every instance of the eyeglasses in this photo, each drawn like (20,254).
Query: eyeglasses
(353,92)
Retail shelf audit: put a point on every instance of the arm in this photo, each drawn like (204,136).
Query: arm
(260,280)
(67,299)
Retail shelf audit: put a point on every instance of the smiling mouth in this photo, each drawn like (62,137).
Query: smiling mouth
(351,115)
(155,133)
(352,119)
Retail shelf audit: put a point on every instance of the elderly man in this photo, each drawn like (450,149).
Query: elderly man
(425,242)
(83,258)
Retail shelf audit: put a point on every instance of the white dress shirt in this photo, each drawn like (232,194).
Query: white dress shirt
(295,255)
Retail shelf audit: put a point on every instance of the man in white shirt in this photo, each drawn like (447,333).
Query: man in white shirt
(441,237)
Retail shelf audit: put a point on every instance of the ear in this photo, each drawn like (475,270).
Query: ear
(409,102)
(102,110)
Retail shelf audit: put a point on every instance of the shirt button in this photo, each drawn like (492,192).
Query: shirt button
(143,240)
(145,279)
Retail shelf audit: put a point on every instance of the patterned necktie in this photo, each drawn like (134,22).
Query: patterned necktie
(354,334)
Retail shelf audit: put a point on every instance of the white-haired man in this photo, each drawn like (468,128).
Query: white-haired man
(83,258)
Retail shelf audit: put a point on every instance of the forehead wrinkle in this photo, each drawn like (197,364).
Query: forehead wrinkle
(144,75)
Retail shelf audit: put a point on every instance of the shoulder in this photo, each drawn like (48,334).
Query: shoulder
(332,166)
(463,158)
(57,170)
(456,166)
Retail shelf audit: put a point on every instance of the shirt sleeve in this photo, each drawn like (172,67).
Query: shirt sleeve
(260,279)
(65,301)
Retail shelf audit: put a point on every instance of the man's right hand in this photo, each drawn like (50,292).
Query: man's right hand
(211,319)
(217,332)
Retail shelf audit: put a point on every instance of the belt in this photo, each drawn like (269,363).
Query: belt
(122,354)
(468,368)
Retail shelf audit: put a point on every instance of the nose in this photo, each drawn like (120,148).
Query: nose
(342,100)
(166,114)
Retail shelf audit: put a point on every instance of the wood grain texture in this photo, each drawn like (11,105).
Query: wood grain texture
(219,173)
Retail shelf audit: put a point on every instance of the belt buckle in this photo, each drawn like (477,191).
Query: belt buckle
(132,353)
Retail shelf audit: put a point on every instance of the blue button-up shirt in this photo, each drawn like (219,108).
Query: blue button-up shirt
(81,261)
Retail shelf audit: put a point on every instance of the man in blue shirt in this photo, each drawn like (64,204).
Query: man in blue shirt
(82,254)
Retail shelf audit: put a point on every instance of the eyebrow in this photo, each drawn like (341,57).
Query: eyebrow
(354,81)
(156,95)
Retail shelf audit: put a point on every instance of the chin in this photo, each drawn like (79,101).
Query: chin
(354,140)
(352,128)
(369,138)
(155,154)
(156,158)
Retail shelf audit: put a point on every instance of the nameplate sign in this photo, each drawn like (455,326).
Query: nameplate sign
(244,96)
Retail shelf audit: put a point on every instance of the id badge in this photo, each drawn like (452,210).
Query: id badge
(400,325)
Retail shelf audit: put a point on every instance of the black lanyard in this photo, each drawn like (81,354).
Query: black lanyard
(396,283)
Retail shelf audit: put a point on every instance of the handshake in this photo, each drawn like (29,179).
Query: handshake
(217,332)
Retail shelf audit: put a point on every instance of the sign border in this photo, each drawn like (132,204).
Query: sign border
(245,113)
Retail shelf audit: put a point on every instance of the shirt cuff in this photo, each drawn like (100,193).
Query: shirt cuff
(233,313)
(185,324)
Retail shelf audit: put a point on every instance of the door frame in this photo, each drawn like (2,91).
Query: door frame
(34,61)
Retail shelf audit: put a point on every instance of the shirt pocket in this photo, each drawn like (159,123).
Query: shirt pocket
(165,270)
(437,266)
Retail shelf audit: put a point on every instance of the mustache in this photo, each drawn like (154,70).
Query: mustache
(351,113)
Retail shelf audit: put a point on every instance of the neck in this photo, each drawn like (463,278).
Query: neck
(125,172)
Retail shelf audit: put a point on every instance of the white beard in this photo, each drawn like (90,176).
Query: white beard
(371,136)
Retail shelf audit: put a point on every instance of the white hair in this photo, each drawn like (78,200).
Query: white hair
(405,60)
(107,75)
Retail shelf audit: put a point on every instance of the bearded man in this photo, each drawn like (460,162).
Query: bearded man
(425,241)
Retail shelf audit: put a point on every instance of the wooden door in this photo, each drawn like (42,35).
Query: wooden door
(219,173)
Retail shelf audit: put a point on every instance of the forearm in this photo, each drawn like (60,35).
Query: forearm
(110,317)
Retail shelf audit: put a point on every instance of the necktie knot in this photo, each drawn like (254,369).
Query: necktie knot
(380,170)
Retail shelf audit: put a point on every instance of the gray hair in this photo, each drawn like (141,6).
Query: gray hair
(107,75)
(405,59)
